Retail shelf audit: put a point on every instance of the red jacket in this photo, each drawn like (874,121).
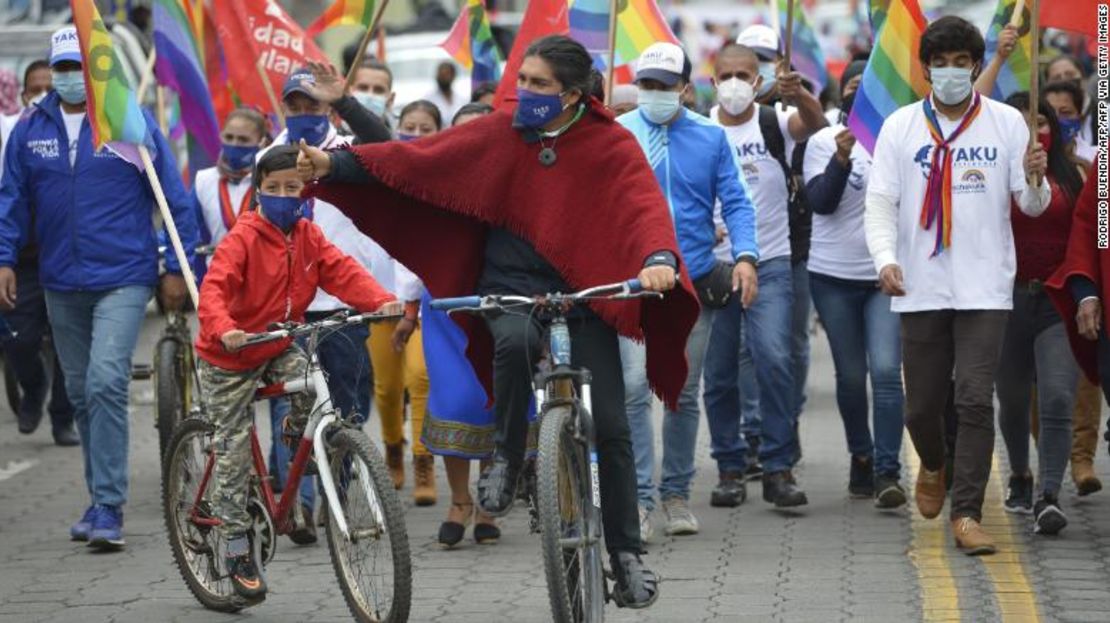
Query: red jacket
(258,276)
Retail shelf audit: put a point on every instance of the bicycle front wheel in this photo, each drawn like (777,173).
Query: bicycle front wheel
(571,541)
(372,563)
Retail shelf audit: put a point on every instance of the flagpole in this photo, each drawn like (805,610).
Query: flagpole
(269,88)
(160,110)
(1015,19)
(1035,70)
(167,219)
(611,65)
(366,37)
(788,45)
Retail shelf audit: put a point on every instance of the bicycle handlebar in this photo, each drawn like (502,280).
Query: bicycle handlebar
(616,291)
(283,330)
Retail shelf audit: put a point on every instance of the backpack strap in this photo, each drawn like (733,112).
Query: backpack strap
(776,144)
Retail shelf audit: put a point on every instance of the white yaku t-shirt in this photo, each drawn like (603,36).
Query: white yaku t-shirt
(838,245)
(977,270)
(766,181)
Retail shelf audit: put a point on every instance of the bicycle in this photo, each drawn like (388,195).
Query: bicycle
(362,508)
(566,499)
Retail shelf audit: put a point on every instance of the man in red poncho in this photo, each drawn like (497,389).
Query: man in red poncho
(552,198)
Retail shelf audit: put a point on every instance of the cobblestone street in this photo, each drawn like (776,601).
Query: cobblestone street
(835,560)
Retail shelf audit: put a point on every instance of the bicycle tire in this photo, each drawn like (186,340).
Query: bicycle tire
(11,388)
(561,468)
(349,444)
(169,396)
(208,593)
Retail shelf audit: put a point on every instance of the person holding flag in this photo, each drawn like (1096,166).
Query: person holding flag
(938,209)
(98,251)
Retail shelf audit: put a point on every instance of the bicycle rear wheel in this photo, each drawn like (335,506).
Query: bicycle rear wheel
(198,547)
(571,543)
(374,565)
(170,377)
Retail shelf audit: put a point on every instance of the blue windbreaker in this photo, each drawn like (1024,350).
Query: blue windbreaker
(92,221)
(696,167)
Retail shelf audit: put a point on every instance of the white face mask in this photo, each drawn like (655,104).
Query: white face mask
(659,107)
(951,85)
(371,101)
(735,96)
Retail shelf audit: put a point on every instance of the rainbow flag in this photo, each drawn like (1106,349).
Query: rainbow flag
(893,77)
(471,43)
(805,52)
(1015,72)
(114,114)
(877,13)
(343,13)
(639,24)
(179,65)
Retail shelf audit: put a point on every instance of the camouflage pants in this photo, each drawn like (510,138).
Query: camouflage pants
(230,394)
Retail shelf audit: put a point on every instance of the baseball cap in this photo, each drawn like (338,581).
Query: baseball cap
(64,46)
(296,82)
(665,62)
(763,40)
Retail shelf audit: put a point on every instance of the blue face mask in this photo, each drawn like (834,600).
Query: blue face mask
(283,212)
(238,157)
(1069,129)
(70,86)
(767,71)
(312,128)
(536,110)
(372,102)
(405,138)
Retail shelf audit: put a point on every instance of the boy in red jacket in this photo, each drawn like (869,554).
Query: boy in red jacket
(267,269)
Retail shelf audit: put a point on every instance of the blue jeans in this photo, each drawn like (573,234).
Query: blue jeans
(799,331)
(680,427)
(729,335)
(751,423)
(864,336)
(95,335)
(768,326)
(281,454)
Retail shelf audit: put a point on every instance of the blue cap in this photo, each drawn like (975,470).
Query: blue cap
(296,82)
(64,46)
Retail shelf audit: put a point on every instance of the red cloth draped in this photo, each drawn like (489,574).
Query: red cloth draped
(596,216)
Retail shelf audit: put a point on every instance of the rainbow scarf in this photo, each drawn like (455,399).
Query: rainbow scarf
(938,192)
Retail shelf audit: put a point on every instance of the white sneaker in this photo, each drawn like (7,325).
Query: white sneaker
(646,529)
(680,520)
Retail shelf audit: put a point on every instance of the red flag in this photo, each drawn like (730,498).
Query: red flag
(260,30)
(541,18)
(1074,15)
(223,101)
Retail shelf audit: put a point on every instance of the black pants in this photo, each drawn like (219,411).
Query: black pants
(518,345)
(24,352)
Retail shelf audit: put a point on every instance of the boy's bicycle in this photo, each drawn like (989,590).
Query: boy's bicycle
(365,525)
(567,499)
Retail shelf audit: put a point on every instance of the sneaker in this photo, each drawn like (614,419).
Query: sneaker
(106,532)
(1048,519)
(66,437)
(680,521)
(647,530)
(1019,495)
(730,492)
(80,530)
(889,492)
(861,477)
(243,572)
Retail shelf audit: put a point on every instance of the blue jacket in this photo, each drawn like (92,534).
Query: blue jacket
(93,220)
(696,167)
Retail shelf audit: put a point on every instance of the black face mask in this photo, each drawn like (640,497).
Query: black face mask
(444,85)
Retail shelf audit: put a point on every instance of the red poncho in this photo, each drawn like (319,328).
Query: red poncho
(595,216)
(1086,259)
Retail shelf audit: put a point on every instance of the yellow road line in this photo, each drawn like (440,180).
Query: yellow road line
(1015,597)
(930,553)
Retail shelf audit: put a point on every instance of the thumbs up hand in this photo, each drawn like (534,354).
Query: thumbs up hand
(312,163)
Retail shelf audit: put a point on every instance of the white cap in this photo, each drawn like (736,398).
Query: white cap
(763,40)
(64,46)
(664,62)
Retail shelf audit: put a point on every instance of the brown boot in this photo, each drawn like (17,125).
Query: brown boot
(395,461)
(424,480)
(930,492)
(971,538)
(1086,482)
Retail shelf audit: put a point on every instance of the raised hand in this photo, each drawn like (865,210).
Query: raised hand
(329,87)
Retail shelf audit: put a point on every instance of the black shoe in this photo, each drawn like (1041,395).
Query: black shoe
(1048,518)
(730,492)
(780,489)
(861,477)
(245,578)
(486,533)
(305,531)
(497,487)
(66,437)
(29,419)
(451,533)
(1019,495)
(889,492)
(636,586)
